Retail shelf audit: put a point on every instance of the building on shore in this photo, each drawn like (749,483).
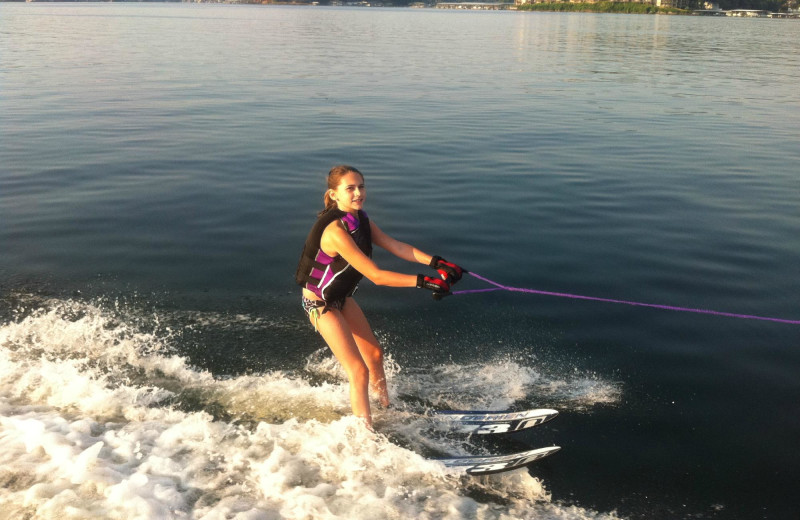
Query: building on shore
(481,6)
(521,2)
(677,4)
(747,13)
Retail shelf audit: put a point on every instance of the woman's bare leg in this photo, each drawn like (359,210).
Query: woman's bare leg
(337,334)
(371,351)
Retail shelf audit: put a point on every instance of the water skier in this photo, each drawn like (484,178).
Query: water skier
(336,256)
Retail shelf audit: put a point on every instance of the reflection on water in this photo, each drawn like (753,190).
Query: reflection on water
(172,157)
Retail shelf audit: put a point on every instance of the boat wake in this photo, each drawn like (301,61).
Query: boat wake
(101,416)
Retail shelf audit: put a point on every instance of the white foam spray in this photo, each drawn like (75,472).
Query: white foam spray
(94,424)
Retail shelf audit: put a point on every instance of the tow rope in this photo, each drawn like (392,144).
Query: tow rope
(500,287)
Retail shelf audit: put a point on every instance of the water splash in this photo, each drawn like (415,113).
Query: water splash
(99,417)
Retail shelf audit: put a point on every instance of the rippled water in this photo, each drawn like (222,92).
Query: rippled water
(160,166)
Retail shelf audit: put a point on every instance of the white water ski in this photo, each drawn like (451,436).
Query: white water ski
(486,465)
(483,423)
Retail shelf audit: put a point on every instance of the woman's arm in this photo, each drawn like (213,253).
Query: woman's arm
(336,239)
(399,249)
(447,270)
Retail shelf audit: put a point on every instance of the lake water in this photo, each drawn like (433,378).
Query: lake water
(160,166)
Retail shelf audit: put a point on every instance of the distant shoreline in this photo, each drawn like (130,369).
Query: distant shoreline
(555,7)
(603,7)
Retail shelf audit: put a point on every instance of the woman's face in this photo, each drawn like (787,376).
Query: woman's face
(350,193)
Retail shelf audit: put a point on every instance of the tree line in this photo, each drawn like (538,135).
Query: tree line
(647,8)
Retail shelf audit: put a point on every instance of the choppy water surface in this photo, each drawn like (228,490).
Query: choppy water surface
(161,164)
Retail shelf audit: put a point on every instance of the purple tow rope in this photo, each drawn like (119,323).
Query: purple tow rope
(500,287)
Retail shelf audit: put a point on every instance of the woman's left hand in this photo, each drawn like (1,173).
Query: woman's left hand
(448,270)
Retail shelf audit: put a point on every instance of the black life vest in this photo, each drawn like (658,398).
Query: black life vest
(332,278)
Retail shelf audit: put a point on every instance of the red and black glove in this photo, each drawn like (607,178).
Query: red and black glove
(437,285)
(448,270)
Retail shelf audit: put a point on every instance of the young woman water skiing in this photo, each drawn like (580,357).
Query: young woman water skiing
(336,255)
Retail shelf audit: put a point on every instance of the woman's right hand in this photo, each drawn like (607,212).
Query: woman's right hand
(437,285)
